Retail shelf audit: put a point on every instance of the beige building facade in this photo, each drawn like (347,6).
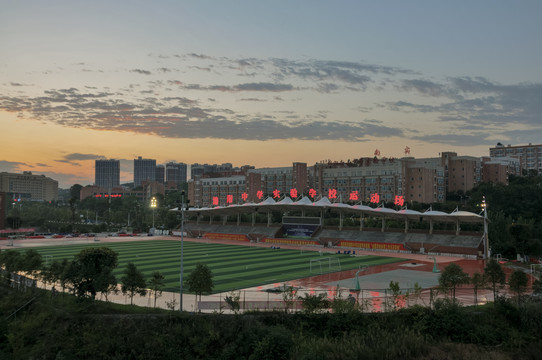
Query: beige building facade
(29,187)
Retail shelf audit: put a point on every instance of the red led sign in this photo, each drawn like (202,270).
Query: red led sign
(354,196)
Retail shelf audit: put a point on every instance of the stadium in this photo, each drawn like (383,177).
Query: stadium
(257,261)
(302,230)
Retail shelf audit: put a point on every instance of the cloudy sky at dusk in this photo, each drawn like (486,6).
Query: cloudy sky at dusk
(264,83)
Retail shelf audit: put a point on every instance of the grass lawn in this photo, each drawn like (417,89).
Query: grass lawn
(233,267)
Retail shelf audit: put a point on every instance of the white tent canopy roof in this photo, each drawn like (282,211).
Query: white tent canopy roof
(305,204)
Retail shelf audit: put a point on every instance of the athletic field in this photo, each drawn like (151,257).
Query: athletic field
(233,266)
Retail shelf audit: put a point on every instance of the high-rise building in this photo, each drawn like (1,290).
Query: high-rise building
(2,209)
(530,156)
(107,173)
(144,170)
(30,187)
(175,173)
(160,174)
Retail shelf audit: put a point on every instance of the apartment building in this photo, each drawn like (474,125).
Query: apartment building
(530,156)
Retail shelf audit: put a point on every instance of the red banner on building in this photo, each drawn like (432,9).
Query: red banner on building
(372,245)
(218,236)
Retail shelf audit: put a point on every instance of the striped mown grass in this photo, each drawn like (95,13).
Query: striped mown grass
(233,267)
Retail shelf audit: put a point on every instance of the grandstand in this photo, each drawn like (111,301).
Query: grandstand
(307,231)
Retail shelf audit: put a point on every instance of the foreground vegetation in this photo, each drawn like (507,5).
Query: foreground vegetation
(38,324)
(66,327)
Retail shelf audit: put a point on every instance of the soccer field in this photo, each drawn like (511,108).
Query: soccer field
(233,267)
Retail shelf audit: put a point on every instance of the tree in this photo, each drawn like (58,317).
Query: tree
(133,282)
(288,296)
(31,262)
(521,236)
(314,303)
(233,300)
(108,283)
(340,305)
(62,271)
(397,298)
(91,271)
(75,191)
(11,260)
(537,286)
(200,280)
(451,277)
(478,281)
(518,283)
(156,283)
(494,275)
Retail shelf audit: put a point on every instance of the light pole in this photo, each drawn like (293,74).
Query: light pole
(486,239)
(153,206)
(182,254)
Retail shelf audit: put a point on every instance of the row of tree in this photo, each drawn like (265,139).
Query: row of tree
(90,272)
(493,278)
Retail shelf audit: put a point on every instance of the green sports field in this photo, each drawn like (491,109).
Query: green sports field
(233,267)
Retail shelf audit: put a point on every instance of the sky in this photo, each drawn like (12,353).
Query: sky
(262,83)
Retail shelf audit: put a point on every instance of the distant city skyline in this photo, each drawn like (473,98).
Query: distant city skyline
(262,83)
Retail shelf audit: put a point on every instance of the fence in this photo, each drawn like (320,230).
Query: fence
(367,300)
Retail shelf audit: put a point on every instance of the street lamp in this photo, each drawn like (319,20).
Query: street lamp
(486,239)
(153,206)
(182,254)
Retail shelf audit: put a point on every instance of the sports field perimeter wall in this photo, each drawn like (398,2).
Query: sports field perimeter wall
(296,242)
(216,230)
(396,241)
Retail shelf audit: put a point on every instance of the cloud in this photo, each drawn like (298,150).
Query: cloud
(253,99)
(11,166)
(476,100)
(264,87)
(78,156)
(247,87)
(424,87)
(457,139)
(142,72)
(285,99)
